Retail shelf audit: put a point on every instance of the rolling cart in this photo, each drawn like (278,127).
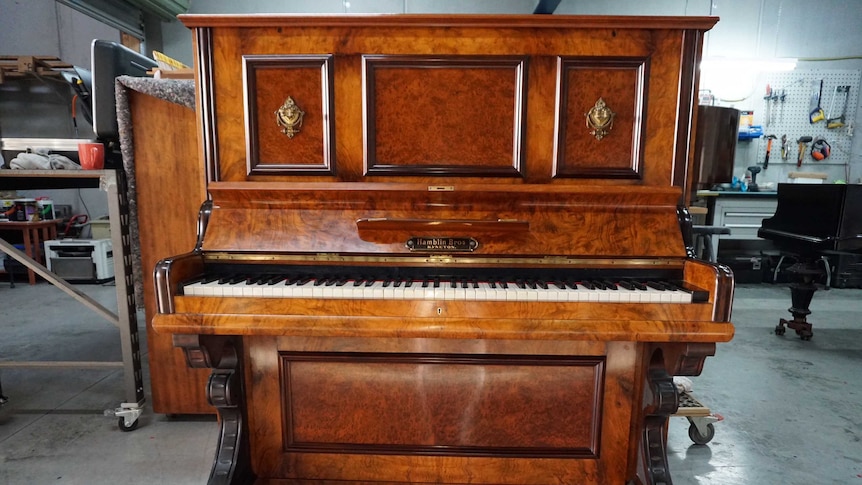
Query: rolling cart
(701,429)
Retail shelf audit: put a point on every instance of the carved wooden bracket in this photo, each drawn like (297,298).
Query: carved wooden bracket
(232,464)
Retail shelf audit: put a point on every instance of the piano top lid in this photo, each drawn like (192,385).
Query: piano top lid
(508,21)
(500,220)
(816,216)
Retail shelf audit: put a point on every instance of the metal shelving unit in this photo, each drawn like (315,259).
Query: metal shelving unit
(114,184)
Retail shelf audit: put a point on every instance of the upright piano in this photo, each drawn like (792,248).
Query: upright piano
(445,249)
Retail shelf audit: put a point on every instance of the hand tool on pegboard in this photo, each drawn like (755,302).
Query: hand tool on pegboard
(803,142)
(784,153)
(820,149)
(815,112)
(782,96)
(834,122)
(769,139)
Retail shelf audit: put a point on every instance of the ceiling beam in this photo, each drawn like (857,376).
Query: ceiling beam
(546,7)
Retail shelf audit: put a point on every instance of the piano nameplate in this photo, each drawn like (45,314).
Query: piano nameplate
(453,244)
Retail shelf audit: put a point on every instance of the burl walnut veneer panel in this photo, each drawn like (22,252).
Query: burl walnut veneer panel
(442,404)
(270,149)
(444,116)
(436,101)
(621,85)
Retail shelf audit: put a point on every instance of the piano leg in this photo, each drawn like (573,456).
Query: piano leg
(801,294)
(232,464)
(660,401)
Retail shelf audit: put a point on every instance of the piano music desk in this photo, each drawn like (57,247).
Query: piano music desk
(34,233)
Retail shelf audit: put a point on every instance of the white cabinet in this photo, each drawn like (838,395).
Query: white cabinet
(742,215)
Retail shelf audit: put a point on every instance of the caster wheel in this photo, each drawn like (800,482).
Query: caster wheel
(698,438)
(779,330)
(806,337)
(121,423)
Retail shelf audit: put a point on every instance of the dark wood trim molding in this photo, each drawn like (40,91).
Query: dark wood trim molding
(250,65)
(635,170)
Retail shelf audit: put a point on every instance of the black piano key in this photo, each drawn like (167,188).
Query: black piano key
(199,279)
(588,285)
(542,284)
(626,285)
(597,284)
(320,281)
(698,295)
(397,283)
(521,284)
(387,283)
(638,285)
(610,285)
(655,285)
(331,282)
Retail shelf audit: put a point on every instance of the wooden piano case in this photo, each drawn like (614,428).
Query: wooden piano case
(551,140)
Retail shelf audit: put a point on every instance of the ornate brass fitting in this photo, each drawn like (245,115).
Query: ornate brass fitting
(600,119)
(289,117)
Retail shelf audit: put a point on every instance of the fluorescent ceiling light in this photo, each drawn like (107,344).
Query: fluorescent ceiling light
(751,65)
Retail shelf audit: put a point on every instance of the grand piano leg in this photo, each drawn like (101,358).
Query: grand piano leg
(801,294)
(232,464)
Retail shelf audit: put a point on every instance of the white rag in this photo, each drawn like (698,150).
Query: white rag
(42,159)
(683,384)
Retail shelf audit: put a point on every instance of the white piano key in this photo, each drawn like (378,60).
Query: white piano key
(461,291)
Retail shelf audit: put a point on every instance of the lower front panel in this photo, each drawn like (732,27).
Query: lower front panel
(444,413)
(437,404)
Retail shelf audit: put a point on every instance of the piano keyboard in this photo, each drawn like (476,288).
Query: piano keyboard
(622,291)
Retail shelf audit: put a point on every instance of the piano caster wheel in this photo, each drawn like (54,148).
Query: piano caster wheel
(779,330)
(805,336)
(698,438)
(121,423)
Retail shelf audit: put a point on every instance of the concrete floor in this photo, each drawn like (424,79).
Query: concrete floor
(792,410)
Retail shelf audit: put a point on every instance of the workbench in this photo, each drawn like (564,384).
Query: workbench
(741,212)
(113,183)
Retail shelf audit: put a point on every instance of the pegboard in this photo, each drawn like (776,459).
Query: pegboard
(791,117)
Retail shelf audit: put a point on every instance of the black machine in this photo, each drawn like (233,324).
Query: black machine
(813,221)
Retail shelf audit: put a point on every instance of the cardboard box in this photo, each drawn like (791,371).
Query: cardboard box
(100,229)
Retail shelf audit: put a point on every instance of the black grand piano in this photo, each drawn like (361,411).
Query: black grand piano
(812,220)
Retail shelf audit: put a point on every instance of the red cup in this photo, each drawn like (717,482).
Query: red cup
(91,156)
